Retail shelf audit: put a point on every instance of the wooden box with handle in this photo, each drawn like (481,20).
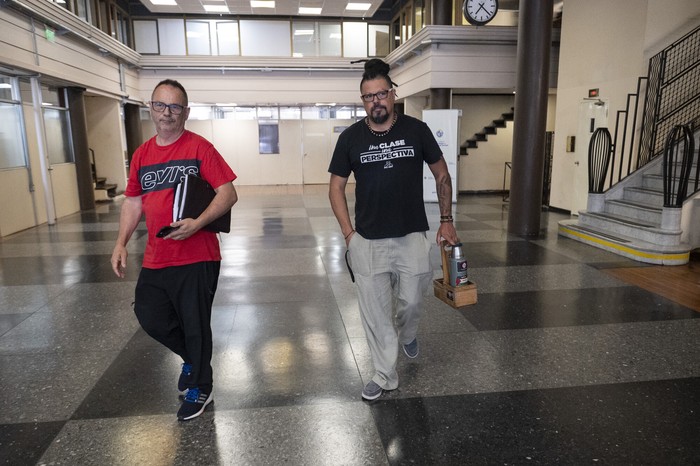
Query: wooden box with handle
(455,296)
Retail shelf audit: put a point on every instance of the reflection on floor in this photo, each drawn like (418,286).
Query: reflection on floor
(558,362)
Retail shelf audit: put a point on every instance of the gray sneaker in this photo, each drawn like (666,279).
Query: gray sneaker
(372,391)
(411,349)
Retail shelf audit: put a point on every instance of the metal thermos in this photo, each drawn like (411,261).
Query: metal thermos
(458,266)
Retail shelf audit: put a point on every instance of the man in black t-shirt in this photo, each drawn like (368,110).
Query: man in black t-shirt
(388,247)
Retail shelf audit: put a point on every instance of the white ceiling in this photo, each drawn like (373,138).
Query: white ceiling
(334,8)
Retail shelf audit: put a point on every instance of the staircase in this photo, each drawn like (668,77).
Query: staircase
(636,208)
(630,220)
(473,142)
(104,192)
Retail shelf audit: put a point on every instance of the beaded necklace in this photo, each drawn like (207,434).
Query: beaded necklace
(383,133)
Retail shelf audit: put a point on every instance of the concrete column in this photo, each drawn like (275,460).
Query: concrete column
(132,126)
(532,86)
(441,98)
(441,12)
(81,149)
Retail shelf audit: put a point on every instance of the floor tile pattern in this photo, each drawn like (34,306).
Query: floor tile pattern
(558,362)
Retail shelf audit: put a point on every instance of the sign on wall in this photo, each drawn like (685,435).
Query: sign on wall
(445,127)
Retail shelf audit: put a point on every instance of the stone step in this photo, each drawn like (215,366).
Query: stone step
(639,211)
(624,245)
(647,231)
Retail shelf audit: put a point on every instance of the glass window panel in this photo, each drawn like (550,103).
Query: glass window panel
(314,113)
(25,90)
(61,3)
(354,39)
(245,113)
(342,112)
(265,38)
(290,113)
(198,38)
(304,39)
(123,29)
(418,7)
(227,38)
(396,28)
(201,112)
(269,137)
(268,113)
(330,40)
(171,36)
(226,113)
(113,27)
(146,36)
(82,9)
(57,136)
(5,88)
(50,96)
(12,149)
(378,40)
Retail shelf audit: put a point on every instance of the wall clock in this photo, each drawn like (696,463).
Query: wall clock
(479,12)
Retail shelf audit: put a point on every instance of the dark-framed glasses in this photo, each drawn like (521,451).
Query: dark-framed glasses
(160,107)
(381,95)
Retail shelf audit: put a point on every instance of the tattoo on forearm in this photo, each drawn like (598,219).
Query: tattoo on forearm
(444,194)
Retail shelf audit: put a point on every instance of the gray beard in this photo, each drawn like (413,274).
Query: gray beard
(379,119)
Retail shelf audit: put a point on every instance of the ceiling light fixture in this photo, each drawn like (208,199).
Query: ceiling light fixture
(164,2)
(304,10)
(262,4)
(216,8)
(358,6)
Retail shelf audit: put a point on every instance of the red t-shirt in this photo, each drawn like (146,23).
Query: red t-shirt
(153,174)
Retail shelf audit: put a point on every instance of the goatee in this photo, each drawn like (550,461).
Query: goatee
(379,119)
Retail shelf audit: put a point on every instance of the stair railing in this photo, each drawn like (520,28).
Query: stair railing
(599,154)
(668,96)
(677,165)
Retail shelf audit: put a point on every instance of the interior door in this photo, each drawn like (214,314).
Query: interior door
(592,114)
(317,151)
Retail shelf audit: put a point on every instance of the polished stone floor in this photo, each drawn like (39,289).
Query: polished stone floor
(558,362)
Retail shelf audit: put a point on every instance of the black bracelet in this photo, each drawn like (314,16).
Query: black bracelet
(351,232)
(445,220)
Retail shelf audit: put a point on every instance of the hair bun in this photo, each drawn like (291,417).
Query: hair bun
(377,67)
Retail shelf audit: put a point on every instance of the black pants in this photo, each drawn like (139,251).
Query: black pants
(173,305)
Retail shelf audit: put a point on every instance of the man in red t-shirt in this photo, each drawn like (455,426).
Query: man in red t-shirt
(176,285)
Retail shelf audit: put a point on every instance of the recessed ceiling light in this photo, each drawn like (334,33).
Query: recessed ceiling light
(216,8)
(304,10)
(262,4)
(358,6)
(164,2)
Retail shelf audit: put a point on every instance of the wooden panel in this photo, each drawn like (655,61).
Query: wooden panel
(680,283)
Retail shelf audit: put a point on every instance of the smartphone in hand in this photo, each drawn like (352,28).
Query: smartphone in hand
(165,231)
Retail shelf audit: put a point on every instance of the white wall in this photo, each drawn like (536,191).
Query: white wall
(606,45)
(64,181)
(105,129)
(259,88)
(65,58)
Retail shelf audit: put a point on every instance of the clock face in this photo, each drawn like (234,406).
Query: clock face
(480,12)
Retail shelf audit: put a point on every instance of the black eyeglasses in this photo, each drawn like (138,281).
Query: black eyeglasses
(381,95)
(160,107)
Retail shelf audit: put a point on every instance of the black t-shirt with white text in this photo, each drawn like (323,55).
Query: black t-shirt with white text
(389,175)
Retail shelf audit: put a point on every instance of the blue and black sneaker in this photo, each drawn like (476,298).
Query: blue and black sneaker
(184,376)
(195,403)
